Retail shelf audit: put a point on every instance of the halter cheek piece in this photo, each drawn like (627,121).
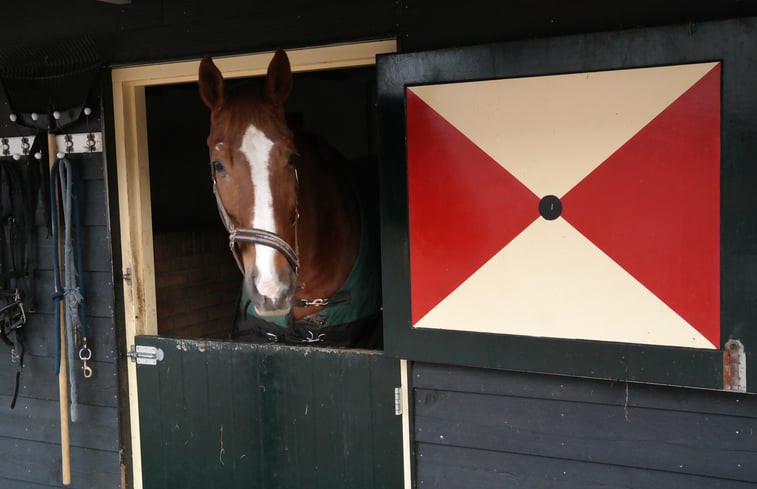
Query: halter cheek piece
(257,236)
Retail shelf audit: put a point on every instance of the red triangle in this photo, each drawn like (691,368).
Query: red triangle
(654,206)
(463,206)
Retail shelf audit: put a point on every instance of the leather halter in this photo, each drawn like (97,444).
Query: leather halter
(257,236)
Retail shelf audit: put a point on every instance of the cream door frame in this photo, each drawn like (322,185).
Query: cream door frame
(133,175)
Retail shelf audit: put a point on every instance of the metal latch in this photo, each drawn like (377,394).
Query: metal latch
(145,355)
(398,401)
(127,275)
(734,366)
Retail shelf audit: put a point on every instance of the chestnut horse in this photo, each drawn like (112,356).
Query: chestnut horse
(296,228)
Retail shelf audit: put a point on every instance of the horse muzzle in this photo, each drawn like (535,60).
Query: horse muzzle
(270,296)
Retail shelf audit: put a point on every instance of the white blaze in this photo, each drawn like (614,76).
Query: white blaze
(257,148)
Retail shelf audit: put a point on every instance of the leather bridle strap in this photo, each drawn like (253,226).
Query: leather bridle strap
(255,236)
(265,238)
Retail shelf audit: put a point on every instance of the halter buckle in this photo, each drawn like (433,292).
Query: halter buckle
(13,319)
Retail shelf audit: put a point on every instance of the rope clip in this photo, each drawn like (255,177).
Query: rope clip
(85,355)
(311,338)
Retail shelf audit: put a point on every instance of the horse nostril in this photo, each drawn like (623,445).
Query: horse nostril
(269,288)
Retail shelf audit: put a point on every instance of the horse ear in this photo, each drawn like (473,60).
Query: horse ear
(211,83)
(278,81)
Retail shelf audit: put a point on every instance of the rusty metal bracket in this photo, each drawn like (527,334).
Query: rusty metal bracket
(734,366)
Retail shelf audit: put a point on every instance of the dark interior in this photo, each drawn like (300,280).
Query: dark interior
(335,104)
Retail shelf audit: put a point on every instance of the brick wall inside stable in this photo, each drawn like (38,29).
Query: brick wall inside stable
(197,284)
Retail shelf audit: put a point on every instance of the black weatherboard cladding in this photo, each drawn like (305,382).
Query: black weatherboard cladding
(168,29)
(492,429)
(30,454)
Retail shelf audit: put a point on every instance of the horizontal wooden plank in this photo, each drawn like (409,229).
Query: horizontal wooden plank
(97,250)
(38,381)
(498,21)
(94,210)
(99,294)
(41,337)
(20,484)
(518,384)
(707,445)
(177,11)
(448,467)
(90,18)
(168,29)
(40,463)
(94,196)
(312,25)
(92,165)
(39,420)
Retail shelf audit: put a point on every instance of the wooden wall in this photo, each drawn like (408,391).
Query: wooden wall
(170,29)
(489,429)
(30,453)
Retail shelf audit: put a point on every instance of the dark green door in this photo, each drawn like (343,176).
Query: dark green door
(230,415)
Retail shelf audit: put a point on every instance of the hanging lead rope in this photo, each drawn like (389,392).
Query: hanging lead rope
(64,178)
(85,353)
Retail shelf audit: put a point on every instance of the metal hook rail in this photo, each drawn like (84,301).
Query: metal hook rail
(66,144)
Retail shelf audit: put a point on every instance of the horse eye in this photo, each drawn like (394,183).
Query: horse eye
(293,159)
(218,167)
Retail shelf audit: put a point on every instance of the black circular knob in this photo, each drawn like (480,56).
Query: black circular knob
(550,207)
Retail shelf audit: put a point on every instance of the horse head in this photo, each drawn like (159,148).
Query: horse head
(252,163)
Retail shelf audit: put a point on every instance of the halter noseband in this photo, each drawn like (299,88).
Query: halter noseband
(257,236)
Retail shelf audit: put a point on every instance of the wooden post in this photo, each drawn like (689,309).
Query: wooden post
(65,442)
